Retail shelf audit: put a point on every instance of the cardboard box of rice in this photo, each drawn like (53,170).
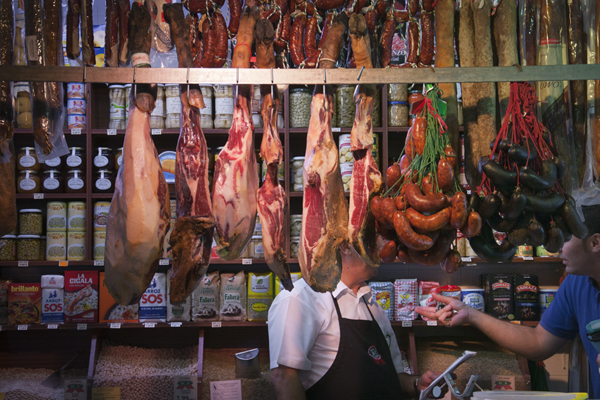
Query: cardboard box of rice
(260,295)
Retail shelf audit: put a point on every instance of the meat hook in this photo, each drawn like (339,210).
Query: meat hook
(188,85)
(360,73)
(446,375)
(271,84)
(134,84)
(324,91)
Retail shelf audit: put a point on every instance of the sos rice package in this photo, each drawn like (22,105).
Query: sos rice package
(53,299)
(24,303)
(205,298)
(153,304)
(260,295)
(383,294)
(81,297)
(426,289)
(406,291)
(233,297)
(111,311)
(177,312)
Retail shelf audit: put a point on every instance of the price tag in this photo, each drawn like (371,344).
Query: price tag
(431,323)
(527,258)
(469,191)
(115,325)
(157,131)
(184,388)
(466,259)
(111,132)
(163,261)
(52,326)
(216,324)
(38,196)
(149,324)
(336,129)
(76,131)
(63,263)
(75,389)
(106,393)
(82,327)
(22,327)
(23,264)
(175,324)
(246,261)
(406,324)
(98,263)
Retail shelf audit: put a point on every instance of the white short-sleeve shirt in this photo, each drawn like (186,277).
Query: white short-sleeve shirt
(304,332)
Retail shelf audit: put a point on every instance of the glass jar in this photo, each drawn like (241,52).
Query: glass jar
(104,181)
(104,159)
(298,173)
(257,120)
(75,181)
(127,95)
(256,247)
(23,105)
(55,163)
(27,159)
(28,182)
(116,96)
(398,92)
(300,99)
(9,251)
(30,221)
(76,158)
(173,99)
(119,158)
(157,117)
(280,120)
(414,97)
(294,244)
(28,247)
(255,102)
(52,182)
(397,113)
(346,171)
(295,224)
(224,105)
(345,107)
(334,116)
(376,114)
(206,114)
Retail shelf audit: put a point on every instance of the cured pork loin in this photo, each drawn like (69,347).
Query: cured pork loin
(366,181)
(324,208)
(272,202)
(139,215)
(236,183)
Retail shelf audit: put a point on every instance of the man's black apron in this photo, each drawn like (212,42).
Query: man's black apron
(363,367)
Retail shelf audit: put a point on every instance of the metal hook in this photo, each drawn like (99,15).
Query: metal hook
(360,73)
(134,84)
(324,91)
(271,83)
(188,85)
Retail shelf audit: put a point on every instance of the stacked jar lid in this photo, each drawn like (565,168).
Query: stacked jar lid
(76,106)
(104,169)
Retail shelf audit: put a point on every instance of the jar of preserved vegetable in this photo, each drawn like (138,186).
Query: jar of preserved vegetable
(116,95)
(206,114)
(224,106)
(397,113)
(298,173)
(119,158)
(398,92)
(127,94)
(172,94)
(294,244)
(30,221)
(280,119)
(27,159)
(300,99)
(157,117)
(9,251)
(414,97)
(75,181)
(345,107)
(256,247)
(28,247)
(28,182)
(76,158)
(334,115)
(52,182)
(104,159)
(55,163)
(295,224)
(23,105)
(104,181)
(376,114)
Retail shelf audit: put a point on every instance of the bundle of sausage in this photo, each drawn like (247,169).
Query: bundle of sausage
(520,182)
(425,205)
(116,48)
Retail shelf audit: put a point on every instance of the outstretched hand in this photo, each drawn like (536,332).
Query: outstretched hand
(454,313)
(427,378)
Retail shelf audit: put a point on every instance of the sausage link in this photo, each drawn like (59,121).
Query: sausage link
(310,38)
(424,203)
(428,223)
(195,6)
(400,202)
(436,254)
(452,262)
(459,210)
(380,8)
(387,36)
(388,252)
(413,7)
(473,225)
(400,16)
(419,134)
(428,5)
(408,236)
(208,41)
(282,33)
(426,56)
(371,18)
(235,11)
(413,43)
(296,39)
(329,4)
(220,34)
(445,175)
(386,233)
(388,208)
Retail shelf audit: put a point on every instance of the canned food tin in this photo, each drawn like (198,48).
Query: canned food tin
(76,106)
(524,251)
(76,216)
(76,246)
(346,170)
(56,216)
(101,215)
(56,246)
(474,298)
(99,240)
(345,149)
(75,90)
(545,298)
(76,121)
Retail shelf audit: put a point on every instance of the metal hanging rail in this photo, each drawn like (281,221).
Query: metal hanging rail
(231,76)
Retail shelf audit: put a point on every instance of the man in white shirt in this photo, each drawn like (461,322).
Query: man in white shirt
(337,345)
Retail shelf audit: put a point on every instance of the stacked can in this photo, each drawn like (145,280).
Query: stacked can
(56,231)
(76,223)
(100,219)
(346,160)
(76,106)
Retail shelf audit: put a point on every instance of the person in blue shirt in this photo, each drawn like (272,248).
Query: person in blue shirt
(576,303)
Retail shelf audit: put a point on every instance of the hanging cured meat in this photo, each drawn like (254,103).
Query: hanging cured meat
(8,202)
(6,99)
(366,179)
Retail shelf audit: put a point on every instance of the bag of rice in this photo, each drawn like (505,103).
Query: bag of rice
(426,289)
(153,304)
(406,299)
(279,286)
(177,312)
(233,297)
(205,298)
(260,296)
(383,293)
(53,299)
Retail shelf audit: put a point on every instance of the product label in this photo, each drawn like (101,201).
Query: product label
(73,161)
(31,43)
(100,161)
(207,110)
(159,108)
(153,304)
(27,161)
(173,105)
(117,111)
(52,306)
(53,162)
(224,105)
(75,183)
(51,184)
(103,184)
(27,184)
(140,59)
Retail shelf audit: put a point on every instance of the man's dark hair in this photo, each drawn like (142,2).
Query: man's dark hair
(592,218)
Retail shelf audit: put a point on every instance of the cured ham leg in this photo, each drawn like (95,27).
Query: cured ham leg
(366,179)
(324,209)
(139,215)
(236,183)
(272,202)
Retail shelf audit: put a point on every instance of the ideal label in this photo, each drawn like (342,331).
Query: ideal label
(226,390)
(184,388)
(75,389)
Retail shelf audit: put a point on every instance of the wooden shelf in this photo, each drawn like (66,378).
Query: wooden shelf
(477,260)
(43,196)
(29,131)
(15,264)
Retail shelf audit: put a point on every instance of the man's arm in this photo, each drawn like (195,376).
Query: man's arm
(533,343)
(287,383)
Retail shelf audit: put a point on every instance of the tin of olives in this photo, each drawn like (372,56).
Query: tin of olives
(56,216)
(76,246)
(76,216)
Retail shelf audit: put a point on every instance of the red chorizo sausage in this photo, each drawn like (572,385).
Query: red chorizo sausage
(235,11)
(445,175)
(413,42)
(371,18)
(400,16)
(408,236)
(388,252)
(208,41)
(310,37)
(424,203)
(428,223)
(220,28)
(387,36)
(436,254)
(392,176)
(428,5)
(419,134)
(386,233)
(413,7)
(459,210)
(400,202)
(283,33)
(297,34)
(329,4)
(426,56)
(388,208)
(473,225)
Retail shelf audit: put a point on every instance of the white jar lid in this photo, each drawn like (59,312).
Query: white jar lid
(116,87)
(298,158)
(258,237)
(30,210)
(28,237)
(8,237)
